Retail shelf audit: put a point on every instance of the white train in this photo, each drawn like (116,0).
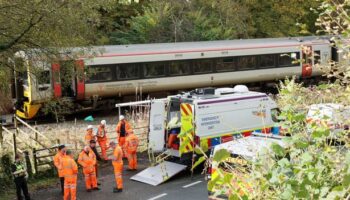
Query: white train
(116,71)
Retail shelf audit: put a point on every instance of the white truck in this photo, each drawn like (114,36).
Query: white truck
(215,115)
(211,116)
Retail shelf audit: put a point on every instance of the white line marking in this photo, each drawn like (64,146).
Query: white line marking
(159,196)
(191,184)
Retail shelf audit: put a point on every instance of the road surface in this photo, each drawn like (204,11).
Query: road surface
(179,187)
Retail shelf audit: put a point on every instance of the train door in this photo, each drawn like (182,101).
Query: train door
(56,80)
(68,80)
(307,61)
(80,88)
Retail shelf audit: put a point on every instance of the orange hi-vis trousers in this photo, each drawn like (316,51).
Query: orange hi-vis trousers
(70,189)
(122,145)
(103,146)
(118,169)
(132,159)
(90,180)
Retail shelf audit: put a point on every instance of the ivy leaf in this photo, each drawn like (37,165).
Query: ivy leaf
(198,162)
(228,178)
(301,144)
(306,157)
(346,181)
(198,151)
(221,155)
(277,149)
(287,194)
(283,162)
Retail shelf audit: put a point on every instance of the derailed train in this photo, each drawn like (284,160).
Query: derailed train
(116,71)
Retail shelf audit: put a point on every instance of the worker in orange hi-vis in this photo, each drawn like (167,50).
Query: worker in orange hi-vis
(89,135)
(122,128)
(117,162)
(102,139)
(87,159)
(70,172)
(57,162)
(131,144)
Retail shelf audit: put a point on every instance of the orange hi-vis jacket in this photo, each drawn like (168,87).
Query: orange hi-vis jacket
(87,161)
(69,169)
(119,130)
(131,143)
(89,136)
(57,162)
(101,134)
(118,155)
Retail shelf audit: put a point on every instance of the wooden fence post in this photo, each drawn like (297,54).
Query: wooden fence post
(28,164)
(14,144)
(35,161)
(1,136)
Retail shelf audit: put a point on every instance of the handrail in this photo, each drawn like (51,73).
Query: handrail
(30,127)
(41,144)
(6,130)
(13,146)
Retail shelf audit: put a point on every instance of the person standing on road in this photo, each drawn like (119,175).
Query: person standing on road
(20,175)
(89,135)
(131,144)
(98,158)
(117,162)
(122,128)
(87,160)
(70,172)
(57,162)
(102,138)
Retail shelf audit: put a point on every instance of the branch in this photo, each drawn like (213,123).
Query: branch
(20,36)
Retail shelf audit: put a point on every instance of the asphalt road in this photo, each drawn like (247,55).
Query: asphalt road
(179,187)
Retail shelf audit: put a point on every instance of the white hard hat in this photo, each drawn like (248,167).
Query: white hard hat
(89,127)
(103,122)
(121,117)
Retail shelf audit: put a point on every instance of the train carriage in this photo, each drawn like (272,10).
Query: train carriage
(114,72)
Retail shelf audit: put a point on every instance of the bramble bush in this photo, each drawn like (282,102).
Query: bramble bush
(315,164)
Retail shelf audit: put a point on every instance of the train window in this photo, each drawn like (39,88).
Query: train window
(128,71)
(99,73)
(202,66)
(43,77)
(288,59)
(267,61)
(317,57)
(154,70)
(246,62)
(226,64)
(179,68)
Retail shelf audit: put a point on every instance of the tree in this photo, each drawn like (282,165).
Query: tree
(282,18)
(47,26)
(183,20)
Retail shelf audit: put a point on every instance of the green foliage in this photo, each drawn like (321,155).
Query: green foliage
(182,20)
(221,155)
(198,162)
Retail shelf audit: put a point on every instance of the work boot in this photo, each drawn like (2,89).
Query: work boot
(129,169)
(88,190)
(99,183)
(96,188)
(116,190)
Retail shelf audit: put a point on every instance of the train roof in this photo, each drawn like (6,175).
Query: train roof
(207,45)
(178,47)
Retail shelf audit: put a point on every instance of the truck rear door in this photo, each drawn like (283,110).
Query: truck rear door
(157,126)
